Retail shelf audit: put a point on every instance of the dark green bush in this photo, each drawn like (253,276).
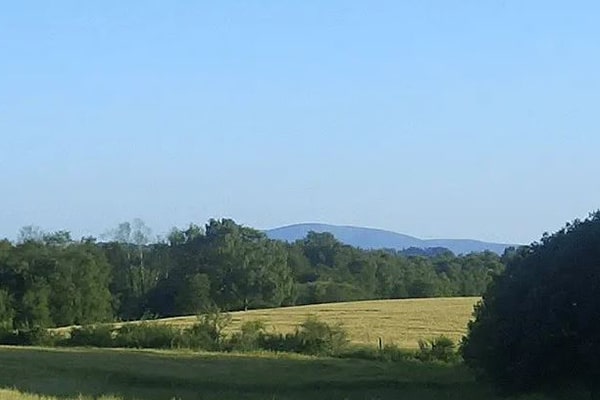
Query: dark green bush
(280,343)
(199,337)
(391,353)
(361,352)
(313,337)
(441,348)
(91,335)
(208,332)
(249,337)
(35,336)
(319,338)
(147,335)
(8,337)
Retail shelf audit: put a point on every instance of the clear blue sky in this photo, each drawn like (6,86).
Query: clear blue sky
(458,119)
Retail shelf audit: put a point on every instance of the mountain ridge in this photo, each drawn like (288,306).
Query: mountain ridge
(375,238)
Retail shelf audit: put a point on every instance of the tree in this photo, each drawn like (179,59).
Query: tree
(320,248)
(180,294)
(247,269)
(539,322)
(80,286)
(50,279)
(127,254)
(30,233)
(7,312)
(194,296)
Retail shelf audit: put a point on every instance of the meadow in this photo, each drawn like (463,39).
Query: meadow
(30,373)
(400,322)
(61,374)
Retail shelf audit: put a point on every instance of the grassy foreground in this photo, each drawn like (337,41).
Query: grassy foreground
(401,322)
(152,375)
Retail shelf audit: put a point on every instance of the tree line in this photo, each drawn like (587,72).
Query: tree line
(49,279)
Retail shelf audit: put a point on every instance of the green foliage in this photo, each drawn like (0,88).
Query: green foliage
(441,349)
(281,343)
(312,337)
(147,335)
(249,338)
(49,279)
(248,270)
(389,353)
(330,292)
(318,337)
(35,336)
(7,311)
(91,335)
(539,322)
(392,352)
(208,333)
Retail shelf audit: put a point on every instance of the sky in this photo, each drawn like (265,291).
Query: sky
(438,119)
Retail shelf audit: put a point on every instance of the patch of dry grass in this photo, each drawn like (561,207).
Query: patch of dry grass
(401,322)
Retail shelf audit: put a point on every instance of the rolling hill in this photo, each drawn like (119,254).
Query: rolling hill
(369,238)
(400,321)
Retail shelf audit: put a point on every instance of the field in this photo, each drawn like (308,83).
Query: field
(401,322)
(153,375)
(116,374)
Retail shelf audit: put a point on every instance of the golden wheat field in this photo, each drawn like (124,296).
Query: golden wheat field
(401,322)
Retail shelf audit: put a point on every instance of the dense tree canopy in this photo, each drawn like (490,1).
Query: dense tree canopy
(538,325)
(51,279)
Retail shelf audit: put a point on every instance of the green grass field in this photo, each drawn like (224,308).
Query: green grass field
(153,375)
(400,322)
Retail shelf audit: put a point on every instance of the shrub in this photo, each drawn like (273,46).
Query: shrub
(441,348)
(91,335)
(147,335)
(249,337)
(361,352)
(319,338)
(390,353)
(8,337)
(35,336)
(280,343)
(208,332)
(313,337)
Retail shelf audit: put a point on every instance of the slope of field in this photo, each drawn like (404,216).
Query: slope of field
(402,322)
(27,373)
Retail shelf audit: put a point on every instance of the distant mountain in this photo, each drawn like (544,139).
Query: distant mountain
(369,238)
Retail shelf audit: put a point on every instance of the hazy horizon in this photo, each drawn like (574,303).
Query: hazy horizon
(471,120)
(162,234)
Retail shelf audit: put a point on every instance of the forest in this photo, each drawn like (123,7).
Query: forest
(50,279)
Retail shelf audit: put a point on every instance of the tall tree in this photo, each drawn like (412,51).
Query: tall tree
(539,322)
(248,269)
